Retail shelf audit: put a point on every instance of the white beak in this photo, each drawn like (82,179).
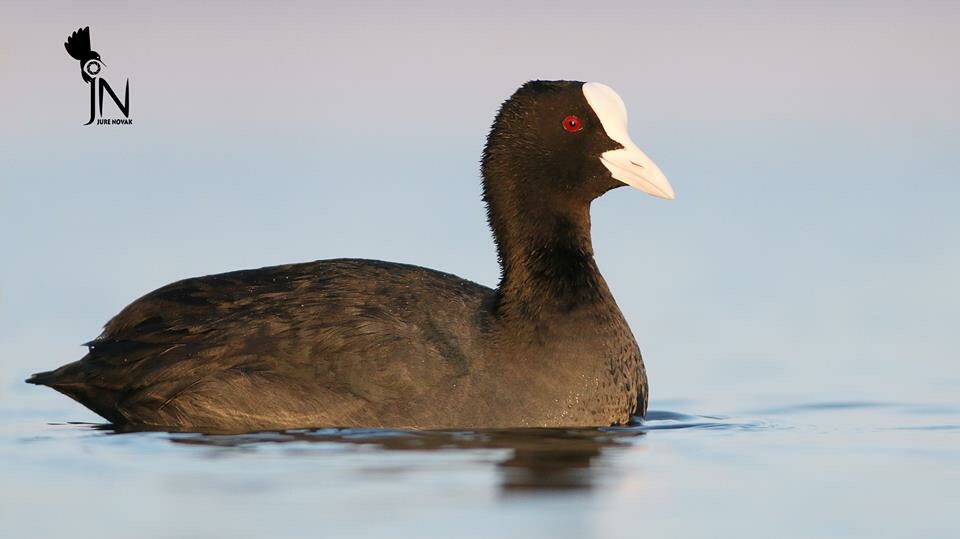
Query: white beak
(628,164)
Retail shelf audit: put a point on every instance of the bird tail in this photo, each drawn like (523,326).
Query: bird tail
(69,374)
(71,380)
(78,44)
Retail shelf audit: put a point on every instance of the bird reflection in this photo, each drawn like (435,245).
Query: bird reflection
(550,468)
(538,459)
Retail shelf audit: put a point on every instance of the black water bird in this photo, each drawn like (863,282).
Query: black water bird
(366,343)
(78,46)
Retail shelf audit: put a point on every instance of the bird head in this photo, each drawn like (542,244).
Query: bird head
(564,140)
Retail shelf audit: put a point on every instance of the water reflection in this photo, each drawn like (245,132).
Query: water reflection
(517,483)
(530,460)
(537,459)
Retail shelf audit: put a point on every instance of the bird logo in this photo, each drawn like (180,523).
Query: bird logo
(78,46)
(91,68)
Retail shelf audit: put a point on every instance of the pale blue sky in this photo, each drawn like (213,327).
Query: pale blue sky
(813,148)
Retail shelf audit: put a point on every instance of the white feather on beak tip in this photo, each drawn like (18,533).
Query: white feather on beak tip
(628,164)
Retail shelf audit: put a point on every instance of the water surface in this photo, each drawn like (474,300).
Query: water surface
(784,469)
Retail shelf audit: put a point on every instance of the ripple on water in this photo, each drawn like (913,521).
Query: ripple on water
(411,439)
(525,459)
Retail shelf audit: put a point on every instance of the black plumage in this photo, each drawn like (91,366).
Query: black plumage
(377,344)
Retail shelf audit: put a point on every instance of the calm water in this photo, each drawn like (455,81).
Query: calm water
(781,469)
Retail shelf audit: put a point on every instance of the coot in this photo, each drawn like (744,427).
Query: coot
(366,343)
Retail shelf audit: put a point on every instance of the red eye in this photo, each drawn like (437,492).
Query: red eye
(572,123)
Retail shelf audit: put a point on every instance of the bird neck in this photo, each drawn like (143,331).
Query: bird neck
(545,252)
